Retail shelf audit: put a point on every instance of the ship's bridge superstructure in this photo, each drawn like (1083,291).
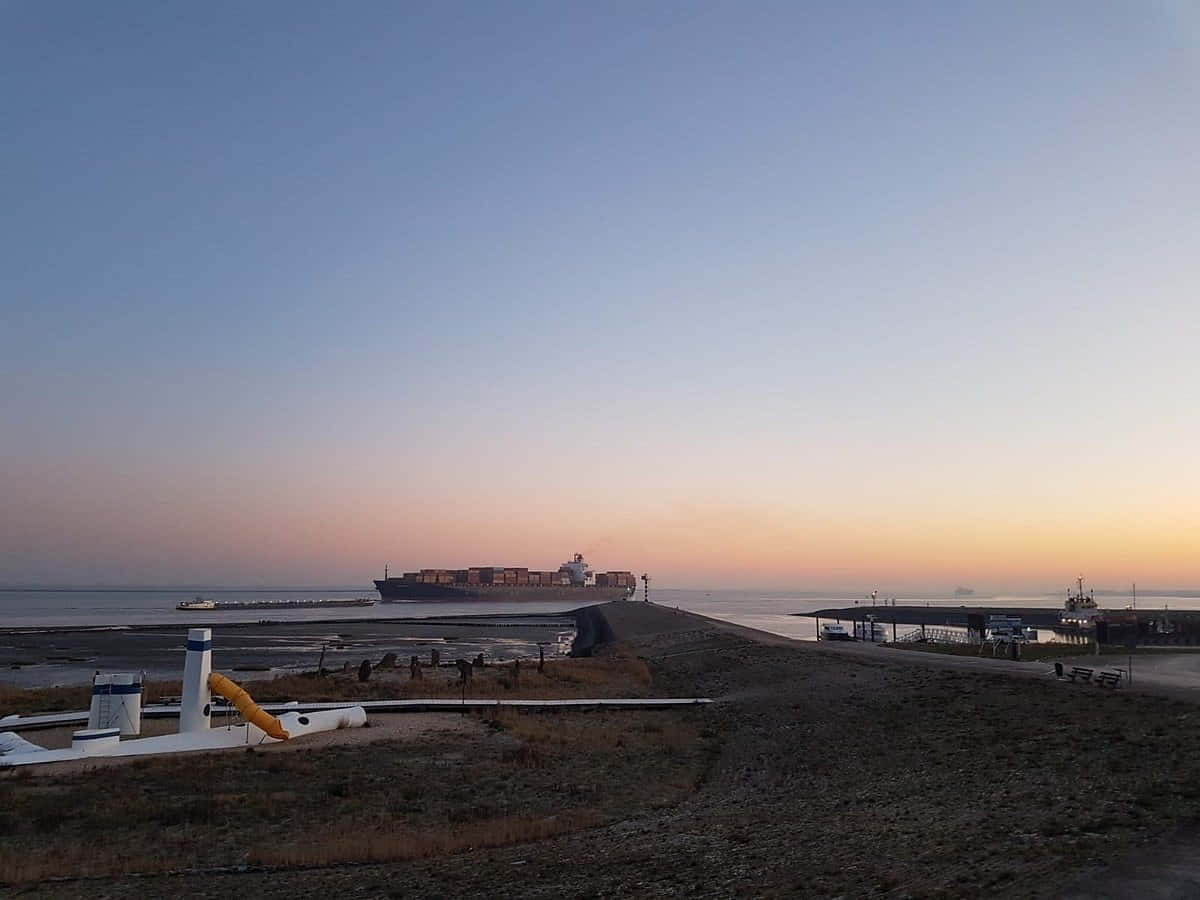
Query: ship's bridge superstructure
(576,570)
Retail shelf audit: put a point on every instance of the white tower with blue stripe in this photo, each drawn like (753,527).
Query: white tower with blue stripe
(196,701)
(116,703)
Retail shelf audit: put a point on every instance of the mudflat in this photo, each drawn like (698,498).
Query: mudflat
(822,771)
(32,657)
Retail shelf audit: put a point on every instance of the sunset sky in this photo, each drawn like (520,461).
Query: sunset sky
(773,295)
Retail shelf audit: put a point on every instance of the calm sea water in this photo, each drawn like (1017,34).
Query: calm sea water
(768,610)
(71,657)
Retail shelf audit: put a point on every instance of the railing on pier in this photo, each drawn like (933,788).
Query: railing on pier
(935,635)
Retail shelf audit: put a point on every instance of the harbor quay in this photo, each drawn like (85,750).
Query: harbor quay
(1142,627)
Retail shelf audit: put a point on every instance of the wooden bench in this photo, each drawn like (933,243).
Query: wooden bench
(1081,672)
(1104,679)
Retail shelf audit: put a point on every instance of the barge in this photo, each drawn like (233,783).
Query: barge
(208,604)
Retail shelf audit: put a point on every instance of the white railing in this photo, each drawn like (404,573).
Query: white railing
(935,635)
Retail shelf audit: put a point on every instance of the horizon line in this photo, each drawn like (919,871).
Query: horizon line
(831,593)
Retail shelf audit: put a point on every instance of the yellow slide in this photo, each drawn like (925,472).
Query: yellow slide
(245,704)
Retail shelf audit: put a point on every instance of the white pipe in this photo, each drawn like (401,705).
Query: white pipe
(390,706)
(298,724)
(196,700)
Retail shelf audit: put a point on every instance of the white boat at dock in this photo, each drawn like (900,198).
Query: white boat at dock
(871,631)
(1080,610)
(834,631)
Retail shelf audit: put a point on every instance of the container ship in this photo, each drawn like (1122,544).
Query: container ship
(571,582)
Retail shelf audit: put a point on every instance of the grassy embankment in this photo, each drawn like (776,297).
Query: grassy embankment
(960,784)
(516,777)
(957,783)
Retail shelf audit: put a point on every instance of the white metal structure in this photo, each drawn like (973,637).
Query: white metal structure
(116,703)
(196,701)
(92,741)
(194,731)
(53,720)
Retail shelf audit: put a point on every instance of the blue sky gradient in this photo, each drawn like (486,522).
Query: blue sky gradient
(291,290)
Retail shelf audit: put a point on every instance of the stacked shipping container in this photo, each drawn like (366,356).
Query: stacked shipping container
(499,575)
(615,579)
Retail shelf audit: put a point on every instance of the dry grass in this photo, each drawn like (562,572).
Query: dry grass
(562,679)
(393,800)
(418,844)
(542,730)
(29,701)
(21,701)
(527,776)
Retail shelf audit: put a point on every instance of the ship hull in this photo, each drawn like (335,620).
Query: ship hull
(395,590)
